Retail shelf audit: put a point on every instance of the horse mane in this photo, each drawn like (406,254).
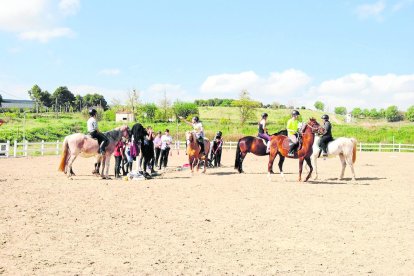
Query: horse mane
(114,134)
(138,132)
(281,132)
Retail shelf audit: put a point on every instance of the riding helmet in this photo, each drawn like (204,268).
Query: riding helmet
(295,112)
(196,119)
(264,115)
(218,134)
(325,117)
(92,111)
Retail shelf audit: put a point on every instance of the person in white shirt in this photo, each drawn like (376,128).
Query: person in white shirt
(93,130)
(166,141)
(199,131)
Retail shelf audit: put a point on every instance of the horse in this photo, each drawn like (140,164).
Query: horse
(147,147)
(342,146)
(84,145)
(193,151)
(256,146)
(280,144)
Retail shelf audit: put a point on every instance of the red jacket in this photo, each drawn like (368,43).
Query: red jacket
(119,149)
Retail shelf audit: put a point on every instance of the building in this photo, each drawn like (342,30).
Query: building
(124,117)
(348,118)
(9,103)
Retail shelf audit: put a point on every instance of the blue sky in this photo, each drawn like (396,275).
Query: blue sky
(343,53)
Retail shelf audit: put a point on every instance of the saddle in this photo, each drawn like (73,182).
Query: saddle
(286,142)
(263,140)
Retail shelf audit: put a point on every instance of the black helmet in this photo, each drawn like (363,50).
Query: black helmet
(264,115)
(195,118)
(325,117)
(92,111)
(295,112)
(218,134)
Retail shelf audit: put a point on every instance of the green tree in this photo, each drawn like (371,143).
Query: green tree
(165,104)
(95,100)
(183,109)
(409,115)
(78,102)
(319,105)
(356,112)
(1,100)
(148,111)
(62,98)
(340,110)
(392,114)
(42,98)
(373,113)
(246,106)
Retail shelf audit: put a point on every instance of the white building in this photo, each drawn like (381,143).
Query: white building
(348,118)
(124,117)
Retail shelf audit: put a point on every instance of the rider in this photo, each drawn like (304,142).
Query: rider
(292,128)
(326,136)
(94,131)
(199,131)
(263,131)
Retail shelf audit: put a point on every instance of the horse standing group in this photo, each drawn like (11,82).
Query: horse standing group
(308,151)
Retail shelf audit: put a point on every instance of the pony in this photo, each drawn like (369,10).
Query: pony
(85,146)
(256,146)
(279,144)
(147,146)
(193,151)
(342,146)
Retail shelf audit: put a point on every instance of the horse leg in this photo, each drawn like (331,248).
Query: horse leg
(343,163)
(103,163)
(300,168)
(242,156)
(272,156)
(107,161)
(315,162)
(70,162)
(308,161)
(280,164)
(351,165)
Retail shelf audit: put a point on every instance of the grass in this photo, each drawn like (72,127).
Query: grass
(37,127)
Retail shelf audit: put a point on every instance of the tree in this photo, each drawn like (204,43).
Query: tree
(94,100)
(78,103)
(42,98)
(392,114)
(133,100)
(319,105)
(246,106)
(148,111)
(373,113)
(409,114)
(1,100)
(164,105)
(62,97)
(340,110)
(183,109)
(356,112)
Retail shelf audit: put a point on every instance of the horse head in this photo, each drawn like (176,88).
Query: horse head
(189,136)
(126,132)
(138,132)
(311,127)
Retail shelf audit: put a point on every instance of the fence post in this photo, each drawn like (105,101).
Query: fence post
(42,147)
(399,147)
(379,147)
(57,147)
(360,147)
(15,148)
(26,145)
(7,149)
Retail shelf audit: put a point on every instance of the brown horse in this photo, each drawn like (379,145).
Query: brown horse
(193,151)
(84,145)
(280,145)
(256,146)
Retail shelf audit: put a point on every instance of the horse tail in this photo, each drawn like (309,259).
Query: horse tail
(237,161)
(64,156)
(354,141)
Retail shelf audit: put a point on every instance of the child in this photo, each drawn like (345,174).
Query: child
(166,141)
(119,148)
(217,149)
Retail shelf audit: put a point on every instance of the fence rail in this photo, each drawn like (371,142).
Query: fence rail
(25,148)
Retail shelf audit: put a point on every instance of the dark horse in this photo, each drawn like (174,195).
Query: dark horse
(256,146)
(147,146)
(280,146)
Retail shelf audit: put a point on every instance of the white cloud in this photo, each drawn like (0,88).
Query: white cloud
(110,72)
(45,35)
(374,10)
(275,87)
(174,92)
(401,5)
(37,19)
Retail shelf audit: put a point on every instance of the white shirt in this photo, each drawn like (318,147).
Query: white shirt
(92,124)
(198,128)
(166,141)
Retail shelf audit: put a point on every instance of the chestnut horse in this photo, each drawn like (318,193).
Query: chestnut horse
(84,145)
(256,146)
(193,151)
(280,145)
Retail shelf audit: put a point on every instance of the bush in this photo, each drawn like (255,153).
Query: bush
(392,114)
(185,109)
(409,115)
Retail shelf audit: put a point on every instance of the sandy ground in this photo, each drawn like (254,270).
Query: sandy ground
(214,224)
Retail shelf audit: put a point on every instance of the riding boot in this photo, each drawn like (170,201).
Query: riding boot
(202,148)
(102,148)
(268,147)
(292,147)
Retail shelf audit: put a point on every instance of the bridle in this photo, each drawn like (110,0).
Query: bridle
(314,129)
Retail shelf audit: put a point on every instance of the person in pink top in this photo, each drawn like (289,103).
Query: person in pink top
(157,147)
(119,149)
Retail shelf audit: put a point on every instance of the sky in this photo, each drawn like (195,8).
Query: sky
(343,53)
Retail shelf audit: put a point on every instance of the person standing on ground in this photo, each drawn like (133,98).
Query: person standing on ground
(166,141)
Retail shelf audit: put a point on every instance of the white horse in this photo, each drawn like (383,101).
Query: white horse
(342,146)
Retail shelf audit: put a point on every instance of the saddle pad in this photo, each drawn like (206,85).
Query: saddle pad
(263,140)
(285,144)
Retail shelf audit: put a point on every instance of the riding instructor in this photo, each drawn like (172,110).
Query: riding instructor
(93,130)
(199,131)
(326,136)
(292,128)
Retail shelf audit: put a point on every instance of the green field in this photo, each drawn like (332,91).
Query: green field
(47,127)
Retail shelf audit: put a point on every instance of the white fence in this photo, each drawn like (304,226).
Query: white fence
(26,148)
